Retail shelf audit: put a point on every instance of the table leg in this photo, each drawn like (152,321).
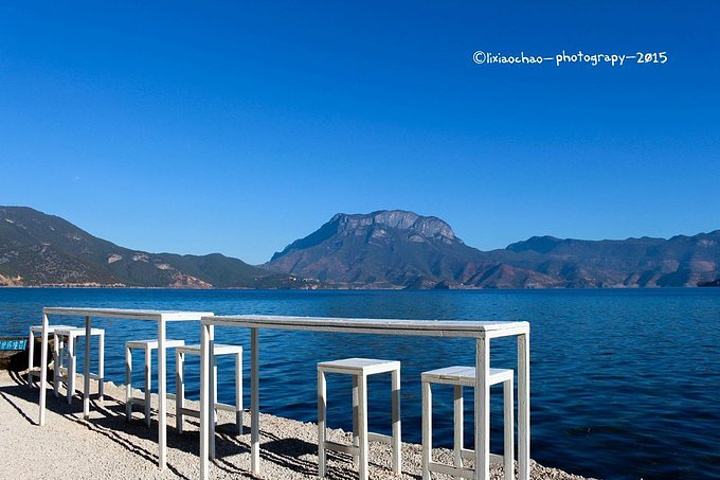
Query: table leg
(43,369)
(396,425)
(204,400)
(459,421)
(86,369)
(239,392)
(148,386)
(213,391)
(426,429)
(524,406)
(356,410)
(162,401)
(31,355)
(508,431)
(101,368)
(179,390)
(482,409)
(254,403)
(128,383)
(72,368)
(363,428)
(57,354)
(322,409)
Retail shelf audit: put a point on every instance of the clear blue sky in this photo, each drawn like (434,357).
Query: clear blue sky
(238,128)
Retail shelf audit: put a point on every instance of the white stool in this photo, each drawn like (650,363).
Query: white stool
(148,346)
(360,369)
(464,377)
(219,350)
(66,338)
(37,330)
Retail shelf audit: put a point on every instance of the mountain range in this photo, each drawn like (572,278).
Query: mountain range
(41,249)
(383,249)
(397,248)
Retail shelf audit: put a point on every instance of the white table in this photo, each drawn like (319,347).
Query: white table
(159,316)
(481,331)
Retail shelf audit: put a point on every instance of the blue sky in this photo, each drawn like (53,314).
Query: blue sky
(238,127)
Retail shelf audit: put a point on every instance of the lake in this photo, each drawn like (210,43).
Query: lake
(625,383)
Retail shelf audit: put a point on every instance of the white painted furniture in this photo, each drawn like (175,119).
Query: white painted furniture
(161,317)
(460,377)
(37,330)
(481,332)
(146,400)
(66,339)
(220,349)
(360,369)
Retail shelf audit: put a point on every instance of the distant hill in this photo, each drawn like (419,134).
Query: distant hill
(400,249)
(41,249)
(645,262)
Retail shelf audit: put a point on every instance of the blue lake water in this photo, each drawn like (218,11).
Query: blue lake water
(625,383)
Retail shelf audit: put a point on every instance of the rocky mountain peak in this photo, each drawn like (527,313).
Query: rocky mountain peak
(376,225)
(429,227)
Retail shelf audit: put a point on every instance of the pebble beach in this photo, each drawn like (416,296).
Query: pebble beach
(106,446)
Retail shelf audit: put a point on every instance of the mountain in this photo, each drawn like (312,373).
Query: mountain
(382,249)
(400,249)
(41,249)
(396,248)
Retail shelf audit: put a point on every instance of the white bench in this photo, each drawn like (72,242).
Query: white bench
(37,330)
(461,377)
(148,346)
(181,410)
(220,349)
(360,369)
(66,338)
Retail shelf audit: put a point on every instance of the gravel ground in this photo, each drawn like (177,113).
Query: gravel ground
(107,446)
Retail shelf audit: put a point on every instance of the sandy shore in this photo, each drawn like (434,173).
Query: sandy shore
(107,446)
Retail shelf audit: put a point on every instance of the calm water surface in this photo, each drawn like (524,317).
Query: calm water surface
(625,383)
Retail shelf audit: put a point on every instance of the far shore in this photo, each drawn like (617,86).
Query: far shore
(346,288)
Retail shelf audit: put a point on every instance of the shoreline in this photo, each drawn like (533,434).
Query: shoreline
(345,289)
(106,444)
